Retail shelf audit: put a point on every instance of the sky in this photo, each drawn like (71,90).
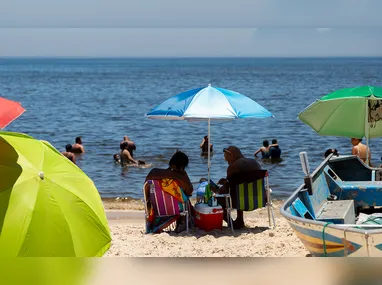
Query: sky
(156,28)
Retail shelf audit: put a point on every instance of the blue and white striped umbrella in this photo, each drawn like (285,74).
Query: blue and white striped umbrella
(208,103)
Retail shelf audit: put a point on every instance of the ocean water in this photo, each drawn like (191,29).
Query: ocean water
(104,99)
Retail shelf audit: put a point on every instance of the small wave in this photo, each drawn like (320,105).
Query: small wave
(144,165)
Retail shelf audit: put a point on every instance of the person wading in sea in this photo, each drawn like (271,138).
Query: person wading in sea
(78,147)
(68,153)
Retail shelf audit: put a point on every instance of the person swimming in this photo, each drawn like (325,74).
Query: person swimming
(117,158)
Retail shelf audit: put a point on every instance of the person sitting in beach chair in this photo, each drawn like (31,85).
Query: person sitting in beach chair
(170,186)
(248,191)
(239,167)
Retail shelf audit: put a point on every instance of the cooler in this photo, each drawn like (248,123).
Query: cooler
(208,218)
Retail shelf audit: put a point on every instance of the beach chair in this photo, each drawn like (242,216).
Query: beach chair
(250,195)
(164,206)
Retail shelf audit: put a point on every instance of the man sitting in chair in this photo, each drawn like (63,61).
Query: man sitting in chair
(239,169)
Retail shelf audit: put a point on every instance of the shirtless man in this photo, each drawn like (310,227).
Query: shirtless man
(78,147)
(360,149)
(68,153)
(125,139)
(131,145)
(125,156)
(264,150)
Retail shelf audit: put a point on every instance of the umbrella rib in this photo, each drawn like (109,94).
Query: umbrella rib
(234,114)
(91,209)
(33,212)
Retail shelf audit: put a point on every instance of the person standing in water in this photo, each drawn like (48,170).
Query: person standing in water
(68,153)
(264,150)
(131,145)
(274,150)
(78,147)
(360,150)
(204,146)
(125,156)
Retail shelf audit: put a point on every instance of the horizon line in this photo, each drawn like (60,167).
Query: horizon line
(183,57)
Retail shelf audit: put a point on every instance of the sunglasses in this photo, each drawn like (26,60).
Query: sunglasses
(226,150)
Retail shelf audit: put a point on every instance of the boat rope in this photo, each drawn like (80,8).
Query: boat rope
(372,219)
(323,238)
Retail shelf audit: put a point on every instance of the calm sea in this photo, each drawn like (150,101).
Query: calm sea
(104,99)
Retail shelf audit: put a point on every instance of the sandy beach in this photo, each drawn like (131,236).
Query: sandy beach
(126,221)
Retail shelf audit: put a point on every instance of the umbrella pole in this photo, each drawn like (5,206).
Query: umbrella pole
(367,131)
(209,149)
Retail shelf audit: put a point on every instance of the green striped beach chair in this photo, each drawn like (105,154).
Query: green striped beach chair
(250,195)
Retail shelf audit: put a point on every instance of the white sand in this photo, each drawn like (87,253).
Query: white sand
(255,240)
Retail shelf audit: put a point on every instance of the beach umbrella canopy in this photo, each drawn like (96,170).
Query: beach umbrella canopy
(48,206)
(206,104)
(349,112)
(9,111)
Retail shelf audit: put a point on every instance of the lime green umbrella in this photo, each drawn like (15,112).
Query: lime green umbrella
(350,112)
(48,206)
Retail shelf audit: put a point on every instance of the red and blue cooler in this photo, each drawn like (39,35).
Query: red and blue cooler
(208,218)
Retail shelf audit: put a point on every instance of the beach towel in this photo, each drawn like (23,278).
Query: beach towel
(165,204)
(171,187)
(162,202)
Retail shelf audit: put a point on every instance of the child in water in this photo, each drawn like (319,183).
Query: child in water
(117,159)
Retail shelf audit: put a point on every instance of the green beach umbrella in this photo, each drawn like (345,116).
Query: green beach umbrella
(349,112)
(48,205)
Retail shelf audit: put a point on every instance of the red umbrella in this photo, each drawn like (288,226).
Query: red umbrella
(9,111)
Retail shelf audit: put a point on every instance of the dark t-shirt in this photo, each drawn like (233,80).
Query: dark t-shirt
(274,152)
(242,165)
(243,170)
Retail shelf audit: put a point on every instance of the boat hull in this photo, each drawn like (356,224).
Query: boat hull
(323,238)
